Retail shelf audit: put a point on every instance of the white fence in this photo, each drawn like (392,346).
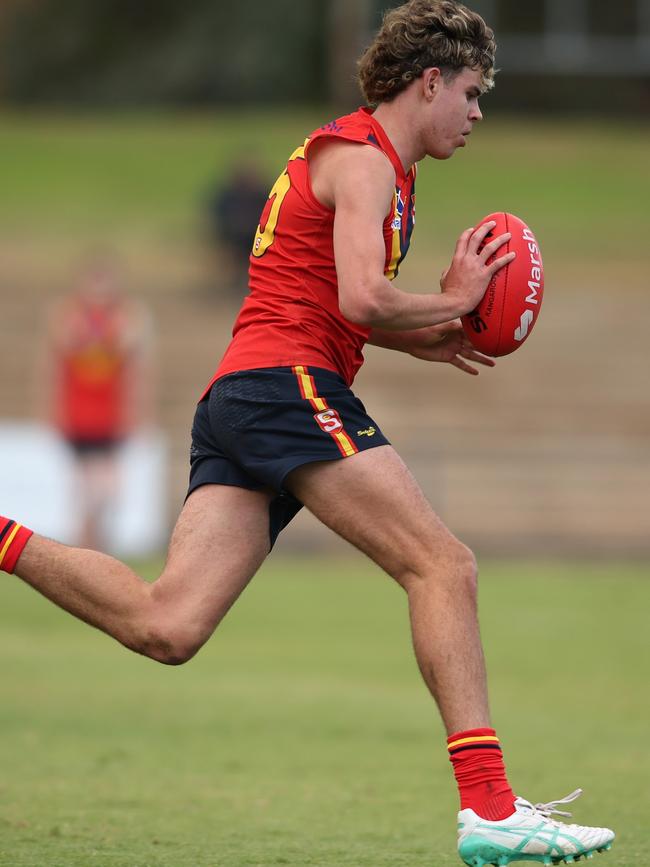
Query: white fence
(37,488)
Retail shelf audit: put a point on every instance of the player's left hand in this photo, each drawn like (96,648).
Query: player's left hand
(448,343)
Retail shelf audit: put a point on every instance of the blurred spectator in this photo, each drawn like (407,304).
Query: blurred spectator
(234,210)
(98,384)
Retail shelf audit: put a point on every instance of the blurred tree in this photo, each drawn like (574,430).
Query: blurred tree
(161,51)
(521,17)
(349,30)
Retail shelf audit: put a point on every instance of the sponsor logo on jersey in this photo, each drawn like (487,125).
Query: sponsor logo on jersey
(399,211)
(332,126)
(329,421)
(368,432)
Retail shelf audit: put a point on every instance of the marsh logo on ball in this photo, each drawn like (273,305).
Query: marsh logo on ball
(534,285)
(536,273)
(524,324)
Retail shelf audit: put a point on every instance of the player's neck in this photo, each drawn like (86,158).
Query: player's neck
(398,124)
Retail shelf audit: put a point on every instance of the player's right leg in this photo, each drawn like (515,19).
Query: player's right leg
(372,501)
(219,542)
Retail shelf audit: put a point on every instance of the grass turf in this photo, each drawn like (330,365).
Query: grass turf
(582,185)
(301,734)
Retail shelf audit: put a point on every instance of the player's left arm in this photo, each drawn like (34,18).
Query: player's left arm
(446,343)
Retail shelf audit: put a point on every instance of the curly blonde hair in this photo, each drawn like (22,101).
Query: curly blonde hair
(421,34)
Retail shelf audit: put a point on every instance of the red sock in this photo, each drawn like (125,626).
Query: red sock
(13,538)
(480,774)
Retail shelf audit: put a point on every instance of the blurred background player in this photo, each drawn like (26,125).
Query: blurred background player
(98,381)
(233,210)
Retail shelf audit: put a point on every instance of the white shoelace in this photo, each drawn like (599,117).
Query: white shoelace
(547,810)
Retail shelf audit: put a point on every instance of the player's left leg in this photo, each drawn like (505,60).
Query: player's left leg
(219,542)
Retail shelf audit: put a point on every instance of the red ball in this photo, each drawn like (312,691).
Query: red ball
(509,309)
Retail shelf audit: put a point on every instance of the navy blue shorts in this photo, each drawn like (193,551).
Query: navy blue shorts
(256,426)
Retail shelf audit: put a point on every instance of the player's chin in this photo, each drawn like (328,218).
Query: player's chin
(446,152)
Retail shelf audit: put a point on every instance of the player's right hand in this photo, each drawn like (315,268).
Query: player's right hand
(469,274)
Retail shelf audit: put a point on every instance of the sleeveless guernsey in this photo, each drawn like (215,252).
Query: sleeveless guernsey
(292,314)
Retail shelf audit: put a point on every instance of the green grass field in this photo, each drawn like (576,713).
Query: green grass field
(584,185)
(301,734)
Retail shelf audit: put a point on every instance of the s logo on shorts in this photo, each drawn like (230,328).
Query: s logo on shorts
(329,421)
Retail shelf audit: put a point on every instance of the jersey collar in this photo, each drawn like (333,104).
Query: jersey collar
(386,144)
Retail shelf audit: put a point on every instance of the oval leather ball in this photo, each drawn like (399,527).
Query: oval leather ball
(509,309)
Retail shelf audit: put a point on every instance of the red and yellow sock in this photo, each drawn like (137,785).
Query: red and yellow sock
(13,538)
(480,773)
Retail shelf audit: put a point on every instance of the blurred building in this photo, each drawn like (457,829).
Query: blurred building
(546,48)
(571,37)
(578,56)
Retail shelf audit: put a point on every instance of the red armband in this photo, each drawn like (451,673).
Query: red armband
(13,538)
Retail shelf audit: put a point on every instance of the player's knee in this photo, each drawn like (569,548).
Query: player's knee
(453,565)
(465,570)
(458,570)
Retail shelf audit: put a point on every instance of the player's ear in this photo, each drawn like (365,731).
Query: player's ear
(431,79)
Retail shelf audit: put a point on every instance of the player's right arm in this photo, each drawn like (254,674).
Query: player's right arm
(358,181)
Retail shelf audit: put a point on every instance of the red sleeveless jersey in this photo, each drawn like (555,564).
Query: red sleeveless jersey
(292,314)
(92,370)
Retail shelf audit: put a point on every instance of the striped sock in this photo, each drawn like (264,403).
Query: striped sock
(480,773)
(13,538)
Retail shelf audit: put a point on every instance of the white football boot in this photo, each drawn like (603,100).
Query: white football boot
(530,834)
